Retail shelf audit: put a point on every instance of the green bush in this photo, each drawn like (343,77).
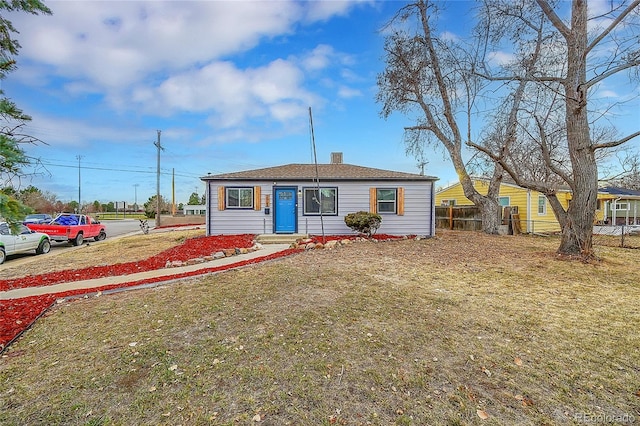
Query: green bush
(363,222)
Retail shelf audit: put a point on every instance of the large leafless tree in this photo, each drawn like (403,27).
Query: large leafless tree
(543,130)
(431,77)
(555,135)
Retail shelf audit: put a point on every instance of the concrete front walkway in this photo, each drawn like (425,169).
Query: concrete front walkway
(168,273)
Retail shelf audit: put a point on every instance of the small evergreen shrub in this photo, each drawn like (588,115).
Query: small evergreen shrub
(363,222)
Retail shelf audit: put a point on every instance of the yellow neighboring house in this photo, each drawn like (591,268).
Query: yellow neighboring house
(536,214)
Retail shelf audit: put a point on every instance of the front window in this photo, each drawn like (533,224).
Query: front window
(542,205)
(386,199)
(504,201)
(328,201)
(621,206)
(239,198)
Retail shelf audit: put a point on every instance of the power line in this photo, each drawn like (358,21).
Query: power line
(85,167)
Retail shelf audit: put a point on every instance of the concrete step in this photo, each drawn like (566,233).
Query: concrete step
(279,238)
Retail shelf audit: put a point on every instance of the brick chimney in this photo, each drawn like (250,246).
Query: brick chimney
(336,158)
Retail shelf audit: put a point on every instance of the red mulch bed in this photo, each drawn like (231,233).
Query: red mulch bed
(190,249)
(17,315)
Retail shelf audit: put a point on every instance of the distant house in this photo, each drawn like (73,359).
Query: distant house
(533,207)
(309,198)
(536,214)
(194,209)
(620,206)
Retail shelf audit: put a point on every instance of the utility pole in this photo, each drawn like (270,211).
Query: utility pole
(173,191)
(157,144)
(135,199)
(421,165)
(79,157)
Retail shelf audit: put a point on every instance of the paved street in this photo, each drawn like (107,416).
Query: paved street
(121,227)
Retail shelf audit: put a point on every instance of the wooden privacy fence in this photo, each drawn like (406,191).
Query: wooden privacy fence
(466,218)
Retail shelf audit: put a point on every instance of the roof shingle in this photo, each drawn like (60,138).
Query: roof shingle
(324,172)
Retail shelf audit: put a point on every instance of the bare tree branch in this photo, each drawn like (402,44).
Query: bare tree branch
(614,24)
(614,144)
(554,18)
(620,68)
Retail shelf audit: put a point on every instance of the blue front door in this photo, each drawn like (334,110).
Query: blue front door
(284,210)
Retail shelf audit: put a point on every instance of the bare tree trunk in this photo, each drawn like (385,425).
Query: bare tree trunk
(490,214)
(577,232)
(488,204)
(489,207)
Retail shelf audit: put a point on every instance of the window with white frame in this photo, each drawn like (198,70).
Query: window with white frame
(327,201)
(387,200)
(542,205)
(239,198)
(621,206)
(504,201)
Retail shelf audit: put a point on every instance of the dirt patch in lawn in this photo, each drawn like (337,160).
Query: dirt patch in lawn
(461,329)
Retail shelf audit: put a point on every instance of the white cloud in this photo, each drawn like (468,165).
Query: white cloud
(608,94)
(167,57)
(347,92)
(60,132)
(205,62)
(230,93)
(500,58)
(114,47)
(319,58)
(449,36)
(323,10)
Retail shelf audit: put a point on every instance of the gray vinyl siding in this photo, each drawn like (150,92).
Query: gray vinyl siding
(237,221)
(628,216)
(353,196)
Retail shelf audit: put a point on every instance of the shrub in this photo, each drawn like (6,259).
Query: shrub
(363,222)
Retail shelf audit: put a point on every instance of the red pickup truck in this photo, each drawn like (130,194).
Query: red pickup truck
(72,228)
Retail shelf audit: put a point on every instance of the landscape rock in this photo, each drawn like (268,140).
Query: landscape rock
(305,244)
(331,244)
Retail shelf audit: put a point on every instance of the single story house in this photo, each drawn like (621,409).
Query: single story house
(620,206)
(310,199)
(194,209)
(536,214)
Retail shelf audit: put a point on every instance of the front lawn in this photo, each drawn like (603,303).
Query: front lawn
(461,329)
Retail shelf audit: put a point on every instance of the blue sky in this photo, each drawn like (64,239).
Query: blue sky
(228,83)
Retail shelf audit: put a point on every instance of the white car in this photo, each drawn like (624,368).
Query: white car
(24,241)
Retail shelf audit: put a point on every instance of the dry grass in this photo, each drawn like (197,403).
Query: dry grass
(433,332)
(628,241)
